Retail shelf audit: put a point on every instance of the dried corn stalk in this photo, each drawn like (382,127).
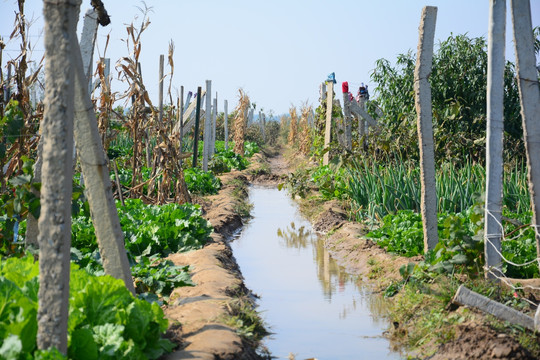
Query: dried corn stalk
(240,122)
(305,135)
(293,129)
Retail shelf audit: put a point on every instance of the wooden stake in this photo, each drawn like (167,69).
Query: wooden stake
(422,92)
(328,128)
(494,148)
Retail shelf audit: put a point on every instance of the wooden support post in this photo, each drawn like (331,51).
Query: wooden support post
(328,128)
(161,64)
(57,175)
(494,148)
(207,136)
(422,91)
(529,97)
(226,124)
(469,298)
(97,180)
(196,131)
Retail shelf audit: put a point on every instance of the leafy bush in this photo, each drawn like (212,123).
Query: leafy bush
(201,182)
(105,320)
(458,84)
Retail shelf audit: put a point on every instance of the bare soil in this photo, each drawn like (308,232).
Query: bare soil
(197,313)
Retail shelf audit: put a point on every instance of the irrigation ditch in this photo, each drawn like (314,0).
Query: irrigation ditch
(217,318)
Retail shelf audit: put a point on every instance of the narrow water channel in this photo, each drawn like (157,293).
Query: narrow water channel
(313,307)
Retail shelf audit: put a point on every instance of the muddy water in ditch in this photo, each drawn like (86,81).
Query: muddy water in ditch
(313,307)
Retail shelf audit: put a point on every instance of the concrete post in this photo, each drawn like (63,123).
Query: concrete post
(494,148)
(226,124)
(196,131)
(529,96)
(214,124)
(161,64)
(347,117)
(94,167)
(422,92)
(88,41)
(181,122)
(328,128)
(57,174)
(207,136)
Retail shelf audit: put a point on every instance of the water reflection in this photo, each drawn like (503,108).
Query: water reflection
(332,277)
(313,306)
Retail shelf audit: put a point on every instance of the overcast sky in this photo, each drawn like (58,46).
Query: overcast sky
(277,51)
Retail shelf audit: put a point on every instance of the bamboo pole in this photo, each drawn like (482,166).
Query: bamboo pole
(422,91)
(328,128)
(529,96)
(57,175)
(494,147)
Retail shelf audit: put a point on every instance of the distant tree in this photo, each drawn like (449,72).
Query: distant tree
(458,82)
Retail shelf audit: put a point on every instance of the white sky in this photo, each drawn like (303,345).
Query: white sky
(277,51)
